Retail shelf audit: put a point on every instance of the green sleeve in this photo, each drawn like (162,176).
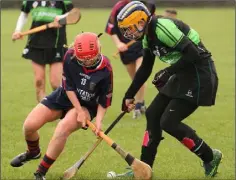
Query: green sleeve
(145,42)
(168,33)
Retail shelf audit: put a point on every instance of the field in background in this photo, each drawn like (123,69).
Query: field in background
(214,124)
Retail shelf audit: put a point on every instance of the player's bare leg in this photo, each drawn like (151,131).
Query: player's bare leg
(139,98)
(39,80)
(64,128)
(39,116)
(55,75)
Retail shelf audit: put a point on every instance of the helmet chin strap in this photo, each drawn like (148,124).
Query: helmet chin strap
(149,20)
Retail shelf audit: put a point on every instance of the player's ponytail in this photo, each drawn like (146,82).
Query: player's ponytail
(69,46)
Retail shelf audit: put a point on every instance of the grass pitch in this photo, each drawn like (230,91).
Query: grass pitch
(214,124)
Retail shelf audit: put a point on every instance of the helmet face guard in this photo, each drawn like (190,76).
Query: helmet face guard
(87,49)
(133,31)
(133,19)
(89,62)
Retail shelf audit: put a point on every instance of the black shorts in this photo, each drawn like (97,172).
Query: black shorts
(58,100)
(198,85)
(44,55)
(132,54)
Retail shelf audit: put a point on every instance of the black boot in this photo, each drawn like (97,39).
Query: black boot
(22,158)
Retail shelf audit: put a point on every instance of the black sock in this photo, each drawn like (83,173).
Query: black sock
(204,152)
(199,147)
(148,155)
(149,148)
(45,164)
(33,147)
(188,137)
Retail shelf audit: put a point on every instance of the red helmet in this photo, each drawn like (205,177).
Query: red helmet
(87,49)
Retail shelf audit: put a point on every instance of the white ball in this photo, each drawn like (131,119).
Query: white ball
(111,175)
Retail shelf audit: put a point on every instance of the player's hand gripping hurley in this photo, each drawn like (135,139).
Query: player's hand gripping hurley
(141,170)
(71,172)
(72,18)
(128,44)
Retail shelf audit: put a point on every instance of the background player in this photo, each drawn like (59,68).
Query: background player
(44,47)
(131,57)
(189,82)
(86,93)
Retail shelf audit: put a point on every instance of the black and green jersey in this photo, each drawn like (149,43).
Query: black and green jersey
(192,72)
(164,39)
(43,12)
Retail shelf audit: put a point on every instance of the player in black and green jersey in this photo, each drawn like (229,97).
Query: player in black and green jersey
(44,47)
(189,82)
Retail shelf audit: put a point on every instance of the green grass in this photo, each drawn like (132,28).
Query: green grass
(213,124)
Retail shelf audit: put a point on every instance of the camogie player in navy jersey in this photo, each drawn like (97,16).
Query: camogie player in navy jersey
(86,92)
(131,56)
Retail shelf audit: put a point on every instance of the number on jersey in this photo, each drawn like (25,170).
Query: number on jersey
(83,81)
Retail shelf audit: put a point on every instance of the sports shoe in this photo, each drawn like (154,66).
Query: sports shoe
(22,158)
(143,109)
(140,109)
(128,174)
(39,176)
(136,114)
(211,167)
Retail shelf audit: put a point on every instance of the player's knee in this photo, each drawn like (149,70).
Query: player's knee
(61,135)
(54,86)
(152,137)
(62,131)
(39,82)
(28,129)
(55,82)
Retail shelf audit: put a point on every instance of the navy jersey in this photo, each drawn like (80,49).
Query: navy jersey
(112,24)
(92,86)
(44,12)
